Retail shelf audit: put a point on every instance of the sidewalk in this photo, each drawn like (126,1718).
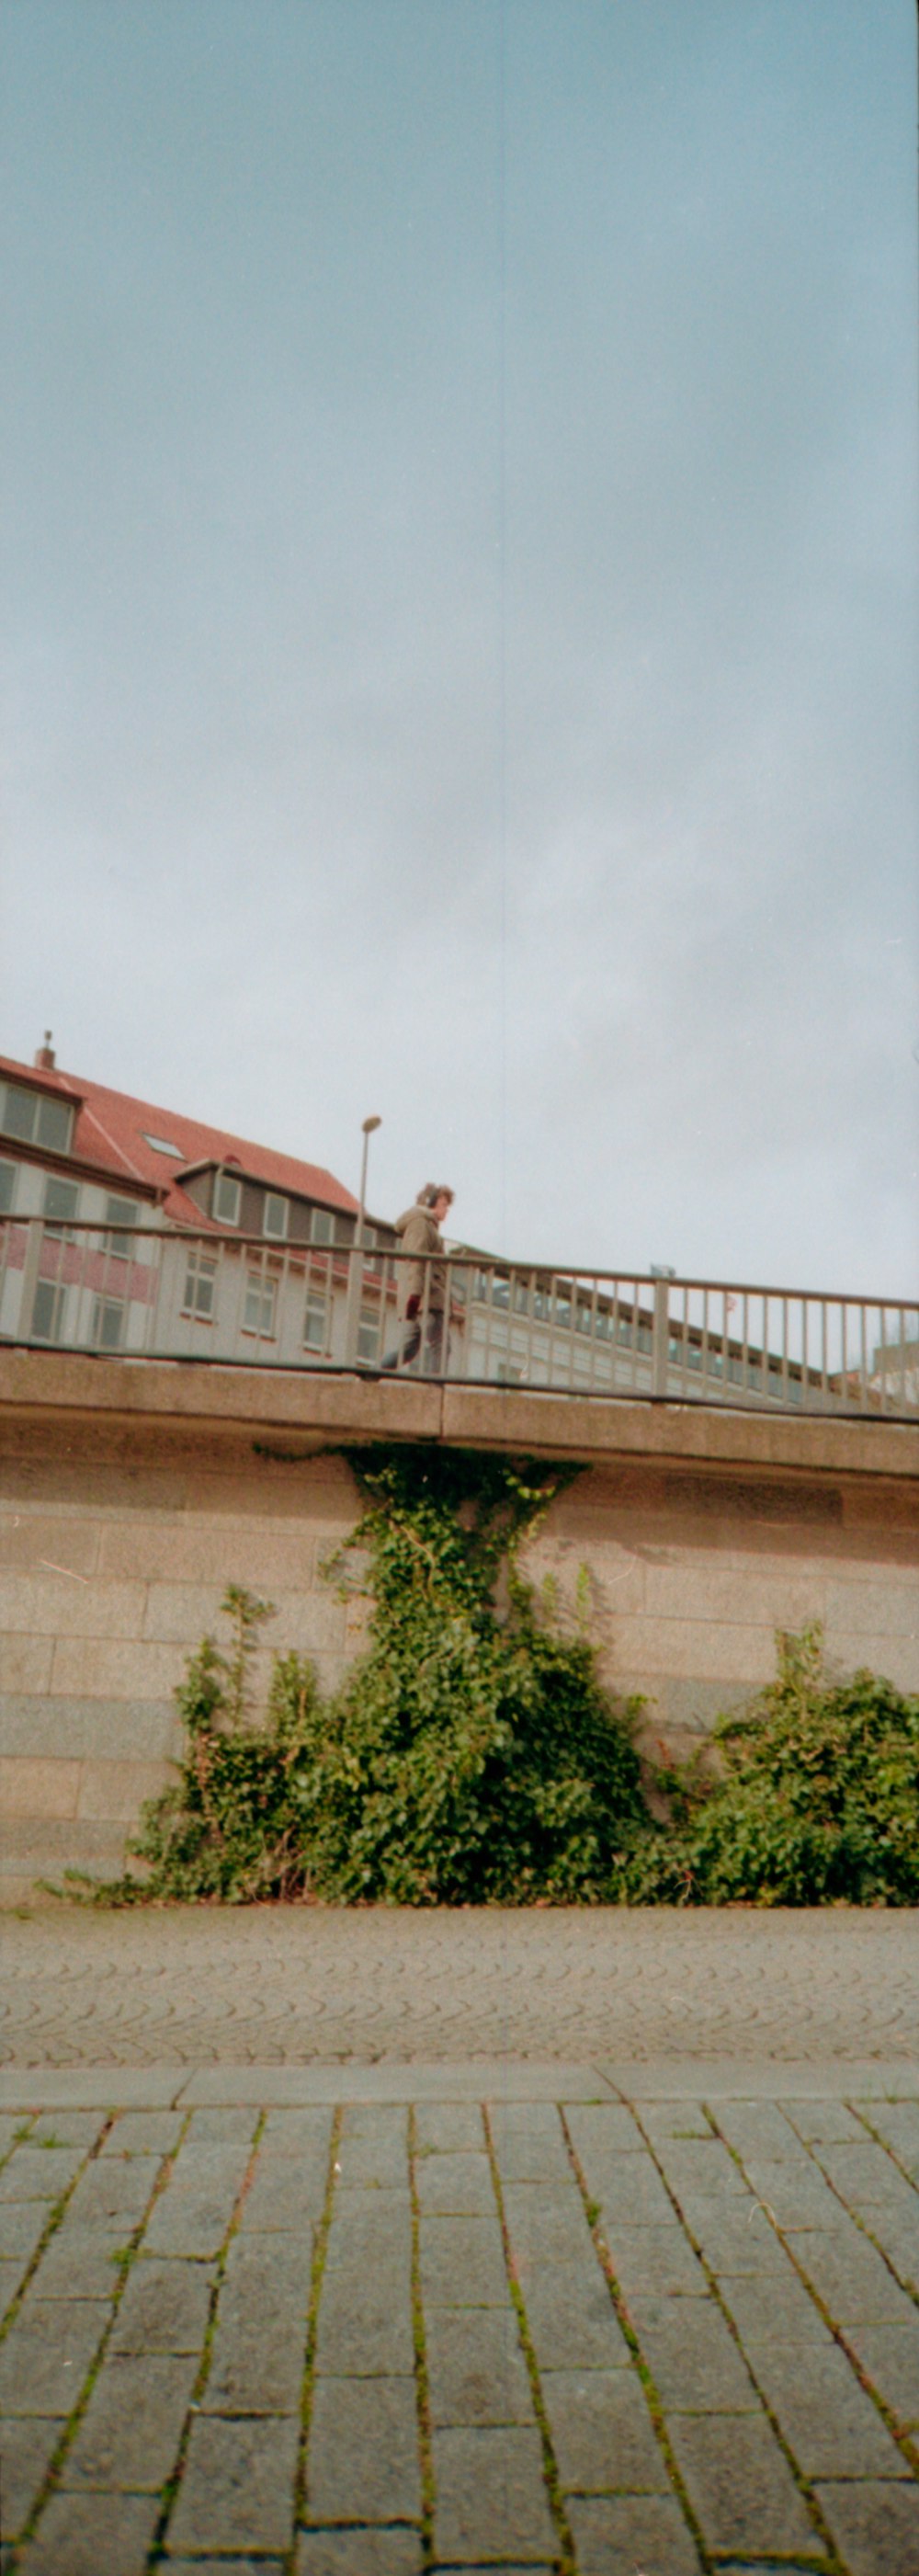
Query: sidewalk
(629,2315)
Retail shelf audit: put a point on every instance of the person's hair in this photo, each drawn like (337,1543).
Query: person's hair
(432,1191)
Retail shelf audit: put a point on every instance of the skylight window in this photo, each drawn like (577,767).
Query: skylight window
(161,1145)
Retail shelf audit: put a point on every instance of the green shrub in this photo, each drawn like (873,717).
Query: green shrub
(470,1756)
(815,1800)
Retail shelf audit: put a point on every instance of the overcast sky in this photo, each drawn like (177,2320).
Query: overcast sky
(460,602)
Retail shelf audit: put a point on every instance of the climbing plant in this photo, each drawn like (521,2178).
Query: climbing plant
(470,1755)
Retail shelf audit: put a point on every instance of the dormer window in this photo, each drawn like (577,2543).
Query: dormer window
(322,1228)
(227,1200)
(35,1117)
(274,1220)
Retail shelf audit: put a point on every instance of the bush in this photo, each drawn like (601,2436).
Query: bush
(470,1756)
(816,1800)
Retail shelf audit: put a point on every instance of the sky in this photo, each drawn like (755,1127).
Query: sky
(460,603)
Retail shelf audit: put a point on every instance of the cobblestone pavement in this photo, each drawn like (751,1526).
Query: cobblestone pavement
(282,1985)
(629,2338)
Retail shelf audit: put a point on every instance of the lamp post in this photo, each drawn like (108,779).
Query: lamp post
(355,1264)
(367,1131)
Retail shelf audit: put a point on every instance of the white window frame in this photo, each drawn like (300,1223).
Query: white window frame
(322,1227)
(275,1233)
(260,1292)
(40,1101)
(201,1274)
(317,1310)
(12,1169)
(227,1182)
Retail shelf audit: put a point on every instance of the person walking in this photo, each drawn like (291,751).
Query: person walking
(422,1283)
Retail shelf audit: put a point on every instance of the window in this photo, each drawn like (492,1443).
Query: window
(35,1117)
(227,1199)
(48,1311)
(368,1334)
(62,1199)
(315,1321)
(261,1298)
(274,1221)
(120,1212)
(161,1145)
(7,1187)
(108,1323)
(200,1287)
(321,1227)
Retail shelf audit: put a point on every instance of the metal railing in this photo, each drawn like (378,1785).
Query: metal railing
(157,1293)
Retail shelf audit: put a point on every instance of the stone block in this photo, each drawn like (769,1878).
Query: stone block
(601,2432)
(118,1789)
(490,2497)
(81,2263)
(462,2263)
(22,2222)
(34,1542)
(47,2353)
(852,2280)
(237,2491)
(545,2225)
(773,2311)
(529,2143)
(629,2190)
(35,1787)
(898,2124)
(58,1605)
(889,2355)
(165,2307)
(25,1665)
(692,2356)
(362,2457)
(365,2310)
(571,2319)
(359,2553)
(85,1729)
(79,2535)
(112,2191)
(458,2185)
(739,2484)
(875,2526)
(444,2128)
(476,2370)
(654,2258)
(619,2534)
(376,2154)
(828,2421)
(114,1668)
(39,2173)
(143,2133)
(29,2444)
(601,2132)
(302,2134)
(192,2215)
(130,2433)
(286,2195)
(257,2357)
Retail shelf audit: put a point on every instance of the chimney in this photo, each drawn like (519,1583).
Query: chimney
(45,1058)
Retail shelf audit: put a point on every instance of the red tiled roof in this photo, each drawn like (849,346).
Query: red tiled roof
(112,1133)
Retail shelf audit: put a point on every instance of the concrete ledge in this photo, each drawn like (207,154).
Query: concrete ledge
(322,1411)
(491,2079)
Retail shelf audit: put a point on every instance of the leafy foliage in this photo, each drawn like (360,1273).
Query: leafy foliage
(816,1800)
(470,1756)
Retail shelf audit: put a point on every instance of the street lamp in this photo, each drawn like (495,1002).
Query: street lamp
(367,1131)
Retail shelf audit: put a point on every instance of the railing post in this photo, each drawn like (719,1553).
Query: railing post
(660,1339)
(352,1302)
(34,1242)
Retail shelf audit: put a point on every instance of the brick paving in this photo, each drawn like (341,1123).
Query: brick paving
(378,2245)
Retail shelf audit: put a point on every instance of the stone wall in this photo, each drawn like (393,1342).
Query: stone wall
(130,1496)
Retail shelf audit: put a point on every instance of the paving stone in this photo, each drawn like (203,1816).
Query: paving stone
(257,2356)
(629,2191)
(701,2170)
(603,2130)
(237,2491)
(545,2225)
(28,2447)
(875,2526)
(359,2553)
(767,2311)
(625,2534)
(739,2483)
(224,2124)
(831,2426)
(131,2430)
(14,2128)
(691,2353)
(898,2124)
(304,2132)
(462,2263)
(80,2263)
(890,2357)
(285,2197)
(115,2191)
(529,2142)
(223,2566)
(365,2309)
(490,2496)
(22,2222)
(476,2370)
(362,2460)
(84,2535)
(797,2199)
(47,2354)
(654,2258)
(823,2121)
(377,2152)
(852,2279)
(164,2308)
(11,2274)
(192,2215)
(898,2239)
(571,2319)
(743,2241)
(144,2133)
(458,2185)
(677,2121)
(448,2128)
(601,2432)
(67,2129)
(39,2173)
(866,2177)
